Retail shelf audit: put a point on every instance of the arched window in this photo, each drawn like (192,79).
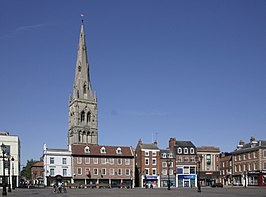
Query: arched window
(88,117)
(103,150)
(82,116)
(84,88)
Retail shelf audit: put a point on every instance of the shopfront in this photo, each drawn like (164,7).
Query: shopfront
(150,181)
(164,181)
(186,180)
(257,178)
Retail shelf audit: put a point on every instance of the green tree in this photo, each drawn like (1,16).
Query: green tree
(26,171)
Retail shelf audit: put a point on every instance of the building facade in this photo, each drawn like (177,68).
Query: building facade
(103,166)
(147,165)
(226,169)
(167,168)
(57,165)
(209,166)
(37,173)
(185,154)
(82,107)
(249,163)
(12,159)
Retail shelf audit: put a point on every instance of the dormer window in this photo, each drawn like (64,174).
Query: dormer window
(179,150)
(191,150)
(186,150)
(103,150)
(170,155)
(164,155)
(118,150)
(87,149)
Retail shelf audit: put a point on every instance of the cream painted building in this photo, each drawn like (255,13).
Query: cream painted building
(12,158)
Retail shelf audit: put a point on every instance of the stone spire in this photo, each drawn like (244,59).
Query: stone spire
(82,107)
(82,85)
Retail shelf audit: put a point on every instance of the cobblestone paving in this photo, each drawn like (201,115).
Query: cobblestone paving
(190,192)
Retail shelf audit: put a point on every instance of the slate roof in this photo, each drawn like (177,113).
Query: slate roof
(184,144)
(152,146)
(250,147)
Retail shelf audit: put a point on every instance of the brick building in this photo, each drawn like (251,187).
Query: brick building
(249,163)
(37,173)
(185,154)
(147,165)
(96,165)
(167,168)
(226,171)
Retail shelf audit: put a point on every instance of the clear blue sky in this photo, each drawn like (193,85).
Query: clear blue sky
(194,70)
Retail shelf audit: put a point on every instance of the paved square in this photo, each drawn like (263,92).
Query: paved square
(191,192)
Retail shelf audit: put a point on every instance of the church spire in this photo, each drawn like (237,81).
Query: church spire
(82,85)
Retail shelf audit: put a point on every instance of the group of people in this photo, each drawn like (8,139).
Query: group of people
(59,187)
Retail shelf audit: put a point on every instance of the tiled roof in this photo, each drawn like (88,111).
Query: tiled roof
(98,150)
(38,164)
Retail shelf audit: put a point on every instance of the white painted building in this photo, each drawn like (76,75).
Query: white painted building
(57,165)
(12,155)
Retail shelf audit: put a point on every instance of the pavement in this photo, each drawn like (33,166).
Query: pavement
(182,192)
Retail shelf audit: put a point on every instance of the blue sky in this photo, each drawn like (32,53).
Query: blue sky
(194,70)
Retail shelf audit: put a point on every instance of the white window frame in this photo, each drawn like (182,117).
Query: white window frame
(147,163)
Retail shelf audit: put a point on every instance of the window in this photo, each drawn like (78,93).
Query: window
(192,170)
(186,150)
(153,161)
(153,153)
(119,172)
(186,159)
(264,154)
(239,157)
(51,160)
(52,172)
(88,117)
(146,161)
(87,160)
(244,157)
(88,171)
(64,172)
(249,155)
(103,171)
(146,153)
(254,155)
(111,160)
(186,170)
(95,160)
(79,160)
(103,160)
(179,150)
(111,171)
(179,159)
(79,171)
(87,149)
(119,161)
(64,161)
(171,172)
(127,161)
(95,171)
(208,159)
(179,170)
(164,164)
(192,159)
(103,150)
(164,172)
(127,172)
(146,170)
(153,171)
(164,155)
(191,150)
(118,150)
(82,116)
(264,166)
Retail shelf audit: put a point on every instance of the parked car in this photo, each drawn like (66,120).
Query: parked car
(217,185)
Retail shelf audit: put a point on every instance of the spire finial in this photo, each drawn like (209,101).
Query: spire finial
(82,17)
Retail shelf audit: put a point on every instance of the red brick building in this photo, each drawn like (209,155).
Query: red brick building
(96,165)
(37,173)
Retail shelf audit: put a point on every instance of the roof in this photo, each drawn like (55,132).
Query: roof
(38,164)
(208,149)
(184,144)
(254,145)
(102,150)
(152,146)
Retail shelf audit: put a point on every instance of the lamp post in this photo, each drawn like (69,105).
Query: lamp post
(175,177)
(13,174)
(168,174)
(9,183)
(245,178)
(3,147)
(198,159)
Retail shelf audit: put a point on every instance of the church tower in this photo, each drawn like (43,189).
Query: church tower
(82,107)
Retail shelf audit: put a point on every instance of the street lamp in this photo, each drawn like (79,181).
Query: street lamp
(168,174)
(3,147)
(175,177)
(198,159)
(245,177)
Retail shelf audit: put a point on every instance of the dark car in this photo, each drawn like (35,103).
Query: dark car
(217,185)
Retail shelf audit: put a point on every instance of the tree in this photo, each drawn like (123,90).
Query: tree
(26,171)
